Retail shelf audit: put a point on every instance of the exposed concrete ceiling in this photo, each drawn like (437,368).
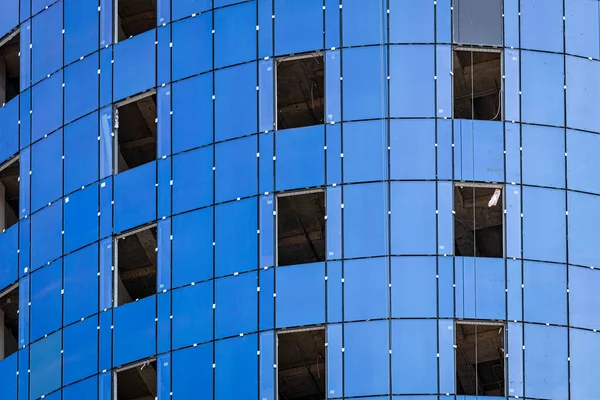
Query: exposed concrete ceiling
(137,383)
(9,67)
(9,177)
(135,17)
(137,264)
(477,85)
(300,91)
(137,132)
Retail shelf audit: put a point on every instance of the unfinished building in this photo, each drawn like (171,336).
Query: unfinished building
(133,17)
(9,193)
(136,381)
(10,66)
(9,321)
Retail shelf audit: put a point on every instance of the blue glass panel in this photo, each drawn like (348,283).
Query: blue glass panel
(267,95)
(480,288)
(25,183)
(46,237)
(135,65)
(513,153)
(46,177)
(513,221)
(333,107)
(39,5)
(87,389)
(515,361)
(298,26)
(81,88)
(236,305)
(542,80)
(582,164)
(585,350)
(512,87)
(266,163)
(192,112)
(237,373)
(81,29)
(544,229)
(332,24)
(411,21)
(163,385)
(9,262)
(9,130)
(192,372)
(164,187)
(479,150)
(81,284)
(47,54)
(445,149)
(364,85)
(135,197)
(163,328)
(106,76)
(365,220)
(81,153)
(24,316)
(446,287)
(105,343)
(47,115)
(365,289)
(10,16)
(548,170)
(106,214)
(334,149)
(333,240)
(236,87)
(582,28)
(235,34)
(192,324)
(164,121)
(23,379)
(364,148)
(134,333)
(46,365)
(81,218)
(267,298)
(446,349)
(414,356)
(267,360)
(192,46)
(443,89)
(542,25)
(334,291)
(107,17)
(46,300)
(267,231)
(80,357)
(106,142)
(334,360)
(445,220)
(546,365)
(164,54)
(363,23)
(545,294)
(163,274)
(366,353)
(511,23)
(185,8)
(192,179)
(413,204)
(192,259)
(414,287)
(583,211)
(265,33)
(514,290)
(293,308)
(236,237)
(302,146)
(237,165)
(582,93)
(8,375)
(106,278)
(25,118)
(583,302)
(412,87)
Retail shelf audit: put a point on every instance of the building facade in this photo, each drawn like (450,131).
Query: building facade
(299,199)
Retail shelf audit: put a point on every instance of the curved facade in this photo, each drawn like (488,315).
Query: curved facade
(299,199)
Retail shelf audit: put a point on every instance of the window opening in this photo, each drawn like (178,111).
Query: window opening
(135,276)
(134,17)
(478,22)
(9,193)
(478,221)
(301,364)
(135,128)
(300,227)
(480,367)
(136,382)
(300,90)
(10,66)
(9,318)
(477,84)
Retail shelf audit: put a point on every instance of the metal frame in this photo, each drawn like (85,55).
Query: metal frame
(7,38)
(10,162)
(115,244)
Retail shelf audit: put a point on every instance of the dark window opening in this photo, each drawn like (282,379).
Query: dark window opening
(134,17)
(480,359)
(478,22)
(10,66)
(9,318)
(136,382)
(478,221)
(477,85)
(136,265)
(301,364)
(301,228)
(300,91)
(9,193)
(135,126)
